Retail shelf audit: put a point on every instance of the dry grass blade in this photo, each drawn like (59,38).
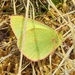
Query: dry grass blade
(3,22)
(73,33)
(3,58)
(50,61)
(25,66)
(40,68)
(62,61)
(66,56)
(64,24)
(23,37)
(68,13)
(73,2)
(51,4)
(33,68)
(32,11)
(14,7)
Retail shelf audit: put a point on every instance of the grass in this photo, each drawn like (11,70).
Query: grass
(62,61)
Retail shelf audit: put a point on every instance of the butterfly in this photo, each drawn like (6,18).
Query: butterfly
(40,40)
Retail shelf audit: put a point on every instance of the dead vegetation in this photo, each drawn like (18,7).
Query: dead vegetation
(60,17)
